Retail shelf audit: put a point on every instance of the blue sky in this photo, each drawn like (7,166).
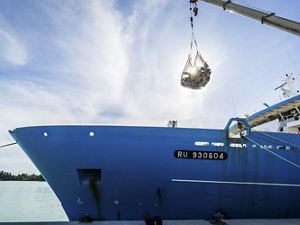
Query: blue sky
(119,62)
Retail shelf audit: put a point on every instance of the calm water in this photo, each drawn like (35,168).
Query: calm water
(29,201)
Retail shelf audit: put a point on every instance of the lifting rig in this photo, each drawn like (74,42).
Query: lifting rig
(264,17)
(268,18)
(196,73)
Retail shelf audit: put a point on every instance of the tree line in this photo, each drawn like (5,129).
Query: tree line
(6,176)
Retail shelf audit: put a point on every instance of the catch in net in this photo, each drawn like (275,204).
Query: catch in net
(196,73)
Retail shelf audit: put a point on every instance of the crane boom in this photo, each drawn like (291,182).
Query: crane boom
(264,17)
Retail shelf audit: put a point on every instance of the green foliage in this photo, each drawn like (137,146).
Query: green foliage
(20,177)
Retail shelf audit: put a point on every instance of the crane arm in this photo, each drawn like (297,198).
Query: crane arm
(264,17)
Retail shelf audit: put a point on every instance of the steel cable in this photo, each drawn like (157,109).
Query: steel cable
(7,145)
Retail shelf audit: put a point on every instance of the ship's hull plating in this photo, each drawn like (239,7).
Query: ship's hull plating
(111,172)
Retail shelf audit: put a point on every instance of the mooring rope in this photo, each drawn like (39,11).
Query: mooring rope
(7,145)
(277,139)
(273,153)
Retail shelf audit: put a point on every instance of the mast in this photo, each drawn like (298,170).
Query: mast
(264,17)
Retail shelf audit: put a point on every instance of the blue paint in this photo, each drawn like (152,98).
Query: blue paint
(136,161)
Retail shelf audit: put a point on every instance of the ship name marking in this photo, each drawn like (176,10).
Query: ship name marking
(205,155)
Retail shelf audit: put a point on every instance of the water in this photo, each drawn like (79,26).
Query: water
(24,201)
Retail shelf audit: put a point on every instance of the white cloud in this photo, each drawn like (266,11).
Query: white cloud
(11,50)
(88,80)
(98,70)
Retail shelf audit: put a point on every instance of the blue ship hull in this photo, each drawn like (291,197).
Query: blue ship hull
(118,172)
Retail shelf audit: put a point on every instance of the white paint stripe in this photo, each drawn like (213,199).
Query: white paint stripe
(235,182)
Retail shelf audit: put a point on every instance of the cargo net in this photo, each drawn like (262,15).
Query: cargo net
(196,73)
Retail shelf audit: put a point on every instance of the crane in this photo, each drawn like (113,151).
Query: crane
(270,19)
(196,75)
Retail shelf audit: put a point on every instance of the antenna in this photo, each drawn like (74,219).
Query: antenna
(288,86)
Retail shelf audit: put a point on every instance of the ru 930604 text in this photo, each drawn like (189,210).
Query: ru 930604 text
(205,155)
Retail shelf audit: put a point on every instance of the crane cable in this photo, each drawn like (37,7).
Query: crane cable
(196,72)
(7,145)
(194,12)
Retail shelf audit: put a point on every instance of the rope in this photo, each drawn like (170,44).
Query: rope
(273,153)
(3,146)
(277,139)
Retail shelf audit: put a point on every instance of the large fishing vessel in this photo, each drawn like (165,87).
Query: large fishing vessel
(119,172)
